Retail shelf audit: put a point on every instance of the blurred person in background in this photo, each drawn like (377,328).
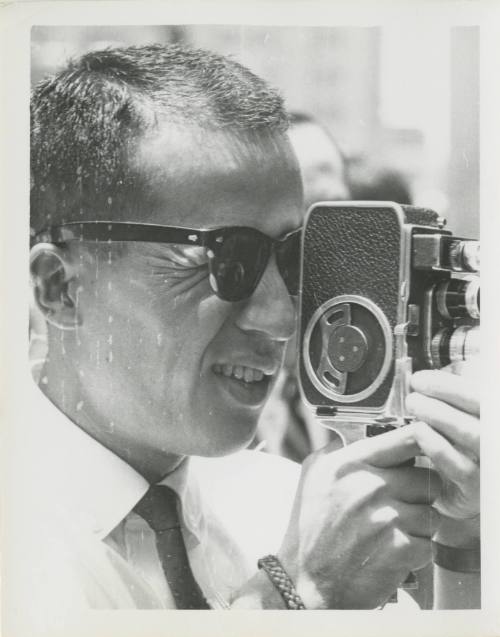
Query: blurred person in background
(380,184)
(322,164)
(287,426)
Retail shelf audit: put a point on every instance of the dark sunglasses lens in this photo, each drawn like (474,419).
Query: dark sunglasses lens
(238,264)
(288,259)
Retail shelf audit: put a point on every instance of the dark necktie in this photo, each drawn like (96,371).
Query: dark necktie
(159,509)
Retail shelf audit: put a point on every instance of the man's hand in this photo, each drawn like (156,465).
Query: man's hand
(448,407)
(360,522)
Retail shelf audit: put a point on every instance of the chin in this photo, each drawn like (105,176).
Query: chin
(233,441)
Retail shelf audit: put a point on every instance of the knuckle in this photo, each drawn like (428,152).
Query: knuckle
(401,542)
(471,438)
(385,516)
(470,471)
(420,430)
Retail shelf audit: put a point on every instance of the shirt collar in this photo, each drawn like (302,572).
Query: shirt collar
(183,482)
(91,483)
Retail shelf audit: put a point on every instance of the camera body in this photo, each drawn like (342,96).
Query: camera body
(386,291)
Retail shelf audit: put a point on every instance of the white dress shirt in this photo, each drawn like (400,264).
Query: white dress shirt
(81,545)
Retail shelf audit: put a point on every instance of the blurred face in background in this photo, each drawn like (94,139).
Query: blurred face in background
(321,164)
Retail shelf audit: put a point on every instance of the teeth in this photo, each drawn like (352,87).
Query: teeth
(238,371)
(248,374)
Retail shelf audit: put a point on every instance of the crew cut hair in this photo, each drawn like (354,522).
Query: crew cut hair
(87,119)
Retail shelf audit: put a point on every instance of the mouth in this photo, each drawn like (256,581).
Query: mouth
(247,385)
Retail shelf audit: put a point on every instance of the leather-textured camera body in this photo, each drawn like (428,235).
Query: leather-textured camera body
(386,290)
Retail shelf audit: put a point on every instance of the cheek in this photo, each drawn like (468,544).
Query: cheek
(146,332)
(188,336)
(213,317)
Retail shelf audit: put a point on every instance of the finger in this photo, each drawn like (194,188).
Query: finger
(414,552)
(419,553)
(470,368)
(414,485)
(451,463)
(417,520)
(459,427)
(457,391)
(386,450)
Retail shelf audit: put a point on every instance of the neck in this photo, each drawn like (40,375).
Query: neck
(63,386)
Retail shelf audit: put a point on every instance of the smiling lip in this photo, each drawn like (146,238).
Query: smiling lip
(247,385)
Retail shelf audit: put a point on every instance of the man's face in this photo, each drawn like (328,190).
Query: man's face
(165,365)
(321,164)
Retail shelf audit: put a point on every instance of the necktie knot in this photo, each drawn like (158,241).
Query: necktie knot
(159,508)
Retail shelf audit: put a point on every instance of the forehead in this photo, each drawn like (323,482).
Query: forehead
(207,179)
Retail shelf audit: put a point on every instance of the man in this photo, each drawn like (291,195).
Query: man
(165,199)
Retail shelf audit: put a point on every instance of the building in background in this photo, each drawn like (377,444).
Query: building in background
(403,98)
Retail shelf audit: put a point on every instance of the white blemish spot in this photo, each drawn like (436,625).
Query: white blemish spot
(213,283)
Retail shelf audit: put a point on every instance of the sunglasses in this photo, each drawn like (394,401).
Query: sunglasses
(237,255)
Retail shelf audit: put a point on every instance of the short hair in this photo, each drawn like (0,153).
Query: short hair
(87,119)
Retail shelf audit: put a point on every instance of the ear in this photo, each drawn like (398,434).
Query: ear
(51,274)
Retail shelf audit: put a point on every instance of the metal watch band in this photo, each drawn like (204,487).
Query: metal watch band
(279,577)
(460,560)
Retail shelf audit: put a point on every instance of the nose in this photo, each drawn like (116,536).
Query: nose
(270,310)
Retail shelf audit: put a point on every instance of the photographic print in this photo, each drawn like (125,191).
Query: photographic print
(250,379)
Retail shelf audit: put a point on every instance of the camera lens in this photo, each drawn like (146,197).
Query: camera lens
(465,256)
(455,344)
(459,298)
